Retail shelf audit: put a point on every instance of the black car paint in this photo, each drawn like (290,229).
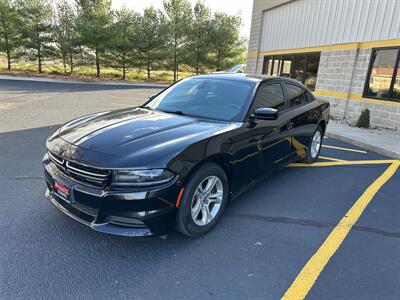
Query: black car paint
(138,138)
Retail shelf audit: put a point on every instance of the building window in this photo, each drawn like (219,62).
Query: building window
(312,71)
(302,67)
(383,79)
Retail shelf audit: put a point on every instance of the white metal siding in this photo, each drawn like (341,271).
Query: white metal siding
(307,23)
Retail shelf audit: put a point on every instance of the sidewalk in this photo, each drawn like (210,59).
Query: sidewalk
(61,80)
(383,142)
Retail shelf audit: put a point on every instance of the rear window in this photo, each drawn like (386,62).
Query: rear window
(296,95)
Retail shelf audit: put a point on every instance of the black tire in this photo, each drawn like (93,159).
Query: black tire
(185,223)
(309,157)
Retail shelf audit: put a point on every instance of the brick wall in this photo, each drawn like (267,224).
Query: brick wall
(335,70)
(336,74)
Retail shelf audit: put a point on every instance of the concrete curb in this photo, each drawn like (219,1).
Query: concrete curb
(59,80)
(366,146)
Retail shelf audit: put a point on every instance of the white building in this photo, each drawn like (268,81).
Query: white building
(347,51)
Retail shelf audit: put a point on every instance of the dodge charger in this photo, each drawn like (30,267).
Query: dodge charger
(178,159)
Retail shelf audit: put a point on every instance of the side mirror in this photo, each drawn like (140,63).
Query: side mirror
(266,114)
(151,97)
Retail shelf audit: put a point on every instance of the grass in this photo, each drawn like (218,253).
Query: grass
(88,73)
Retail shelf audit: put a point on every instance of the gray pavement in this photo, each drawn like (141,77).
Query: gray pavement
(384,142)
(28,104)
(256,251)
(40,78)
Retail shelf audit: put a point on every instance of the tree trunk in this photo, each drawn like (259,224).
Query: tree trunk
(197,62)
(71,62)
(65,64)
(123,66)
(148,66)
(39,50)
(219,61)
(97,64)
(40,60)
(198,53)
(7,44)
(8,60)
(175,66)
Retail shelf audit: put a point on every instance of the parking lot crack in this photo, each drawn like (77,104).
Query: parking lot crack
(311,223)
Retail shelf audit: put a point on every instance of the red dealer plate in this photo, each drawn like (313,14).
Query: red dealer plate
(61,190)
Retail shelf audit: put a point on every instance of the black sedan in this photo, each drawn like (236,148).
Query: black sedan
(177,160)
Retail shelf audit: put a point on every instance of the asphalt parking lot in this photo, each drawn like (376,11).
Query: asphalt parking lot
(326,231)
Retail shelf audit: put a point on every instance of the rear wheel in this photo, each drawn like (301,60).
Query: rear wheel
(203,200)
(315,146)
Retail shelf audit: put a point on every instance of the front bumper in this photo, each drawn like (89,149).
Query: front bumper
(128,212)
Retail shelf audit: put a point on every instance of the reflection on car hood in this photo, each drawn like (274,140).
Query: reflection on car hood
(137,132)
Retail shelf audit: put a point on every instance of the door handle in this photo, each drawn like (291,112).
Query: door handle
(289,125)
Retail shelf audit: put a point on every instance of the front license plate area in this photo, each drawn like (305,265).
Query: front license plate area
(63,191)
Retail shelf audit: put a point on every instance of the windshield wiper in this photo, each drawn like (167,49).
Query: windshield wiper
(180,113)
(147,107)
(175,112)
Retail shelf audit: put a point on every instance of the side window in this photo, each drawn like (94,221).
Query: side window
(296,95)
(269,96)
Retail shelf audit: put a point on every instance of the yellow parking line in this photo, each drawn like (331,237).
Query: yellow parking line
(9,105)
(343,163)
(310,272)
(344,149)
(330,158)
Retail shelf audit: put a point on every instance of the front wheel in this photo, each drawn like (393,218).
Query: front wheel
(315,146)
(203,201)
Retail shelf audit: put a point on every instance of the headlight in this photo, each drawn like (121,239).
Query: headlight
(140,178)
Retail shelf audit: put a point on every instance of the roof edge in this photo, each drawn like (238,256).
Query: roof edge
(262,5)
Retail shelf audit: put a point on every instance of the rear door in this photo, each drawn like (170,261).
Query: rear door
(303,118)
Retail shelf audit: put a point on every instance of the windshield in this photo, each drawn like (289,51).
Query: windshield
(205,98)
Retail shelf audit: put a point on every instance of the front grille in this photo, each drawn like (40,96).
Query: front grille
(82,173)
(56,159)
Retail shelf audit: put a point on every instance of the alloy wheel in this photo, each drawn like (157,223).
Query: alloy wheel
(207,200)
(316,144)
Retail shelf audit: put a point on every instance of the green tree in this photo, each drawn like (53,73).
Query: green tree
(150,37)
(178,19)
(64,33)
(198,42)
(9,33)
(36,16)
(224,37)
(123,28)
(93,26)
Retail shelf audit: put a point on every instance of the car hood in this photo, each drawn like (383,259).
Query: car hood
(132,137)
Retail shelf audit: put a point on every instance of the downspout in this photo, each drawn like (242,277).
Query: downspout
(351,81)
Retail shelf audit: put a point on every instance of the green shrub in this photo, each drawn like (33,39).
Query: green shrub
(364,119)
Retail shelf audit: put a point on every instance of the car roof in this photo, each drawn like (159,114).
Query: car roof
(255,78)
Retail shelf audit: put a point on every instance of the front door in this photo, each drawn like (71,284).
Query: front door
(274,143)
(261,146)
